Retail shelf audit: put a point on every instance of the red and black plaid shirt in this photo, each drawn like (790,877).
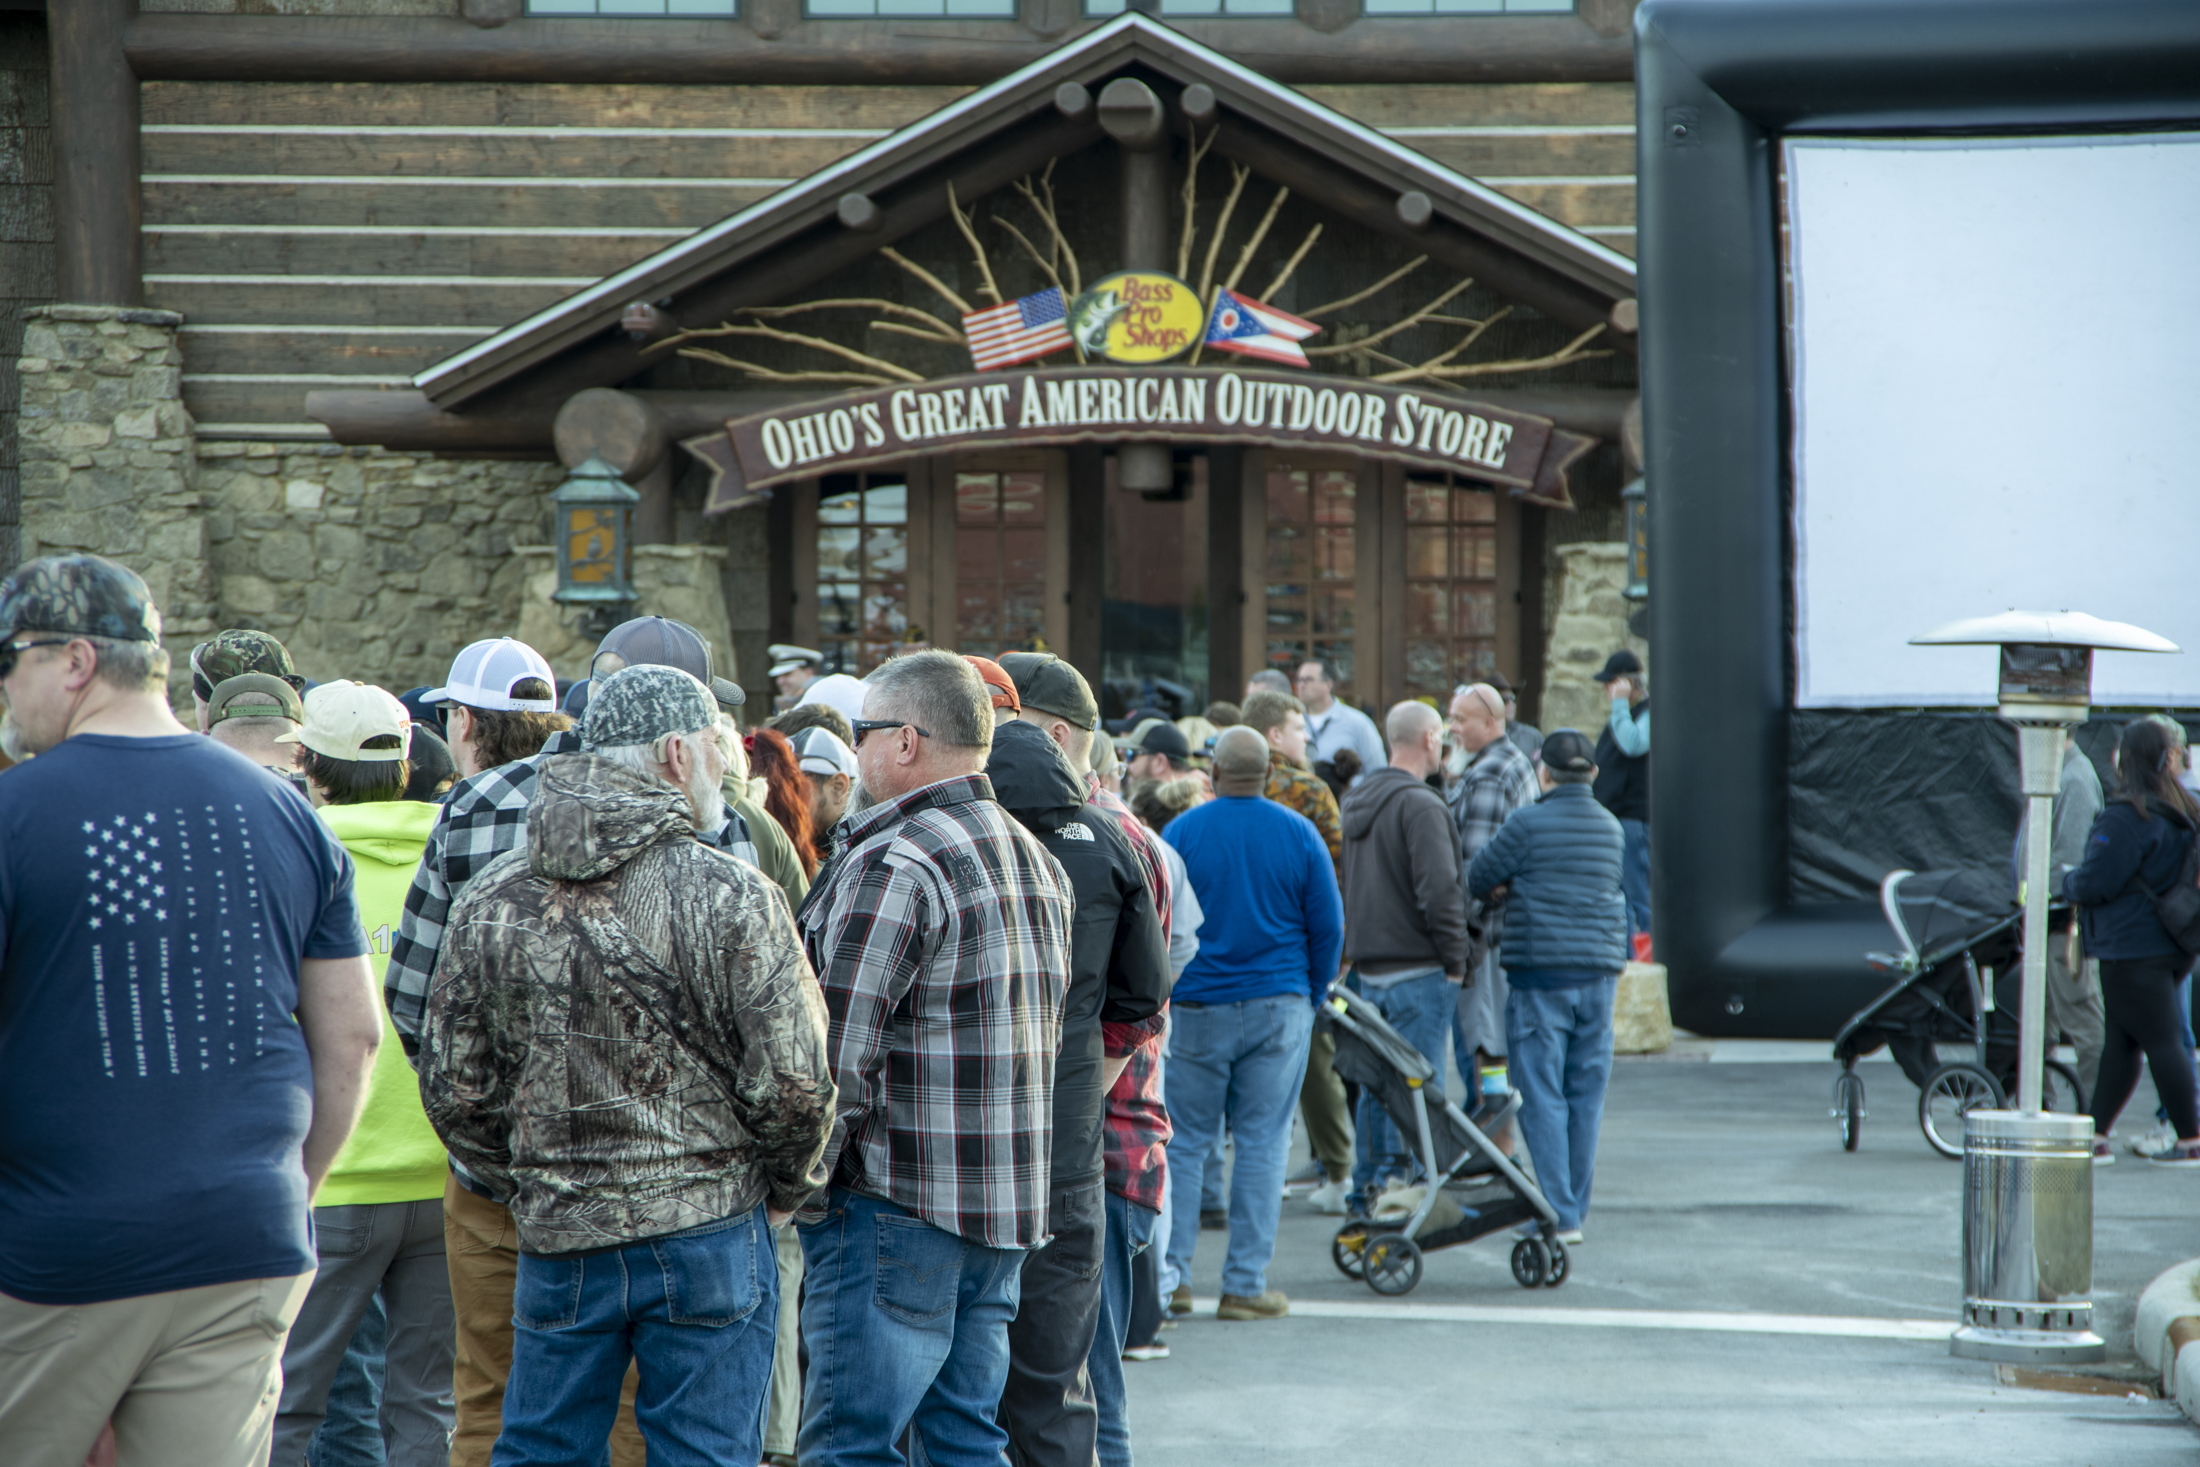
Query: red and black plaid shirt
(1136,1138)
(941,937)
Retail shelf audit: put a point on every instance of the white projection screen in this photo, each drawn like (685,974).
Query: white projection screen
(1996,376)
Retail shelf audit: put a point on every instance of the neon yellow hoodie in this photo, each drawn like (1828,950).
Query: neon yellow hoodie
(394,1155)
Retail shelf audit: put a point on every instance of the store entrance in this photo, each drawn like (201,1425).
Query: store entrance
(1155,618)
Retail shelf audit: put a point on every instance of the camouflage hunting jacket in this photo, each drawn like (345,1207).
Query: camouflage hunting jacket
(623,1038)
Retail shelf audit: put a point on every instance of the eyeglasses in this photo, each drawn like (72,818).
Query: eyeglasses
(864,726)
(13,650)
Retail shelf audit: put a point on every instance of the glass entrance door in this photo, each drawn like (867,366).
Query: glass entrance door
(1155,617)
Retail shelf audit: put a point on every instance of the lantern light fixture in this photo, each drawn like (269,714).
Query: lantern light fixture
(595,523)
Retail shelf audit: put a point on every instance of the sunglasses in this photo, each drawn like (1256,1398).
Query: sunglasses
(12,652)
(864,726)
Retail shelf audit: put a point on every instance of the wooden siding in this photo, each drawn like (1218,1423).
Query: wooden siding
(330,235)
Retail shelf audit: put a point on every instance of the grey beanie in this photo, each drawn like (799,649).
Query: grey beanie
(643,703)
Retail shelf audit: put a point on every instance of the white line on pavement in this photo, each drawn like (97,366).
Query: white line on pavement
(1824,1325)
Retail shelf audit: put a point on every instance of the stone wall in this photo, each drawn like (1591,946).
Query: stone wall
(107,456)
(1588,625)
(26,231)
(679,581)
(370,565)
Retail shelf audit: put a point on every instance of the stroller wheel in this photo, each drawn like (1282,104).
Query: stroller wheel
(1561,1265)
(2059,1090)
(1531,1262)
(1392,1264)
(1950,1093)
(1848,1107)
(1348,1250)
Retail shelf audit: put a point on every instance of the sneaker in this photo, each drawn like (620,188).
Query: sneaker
(1305,1179)
(1571,1237)
(2160,1138)
(1180,1302)
(1329,1198)
(2177,1153)
(2103,1153)
(1154,1351)
(1271,1305)
(1214,1220)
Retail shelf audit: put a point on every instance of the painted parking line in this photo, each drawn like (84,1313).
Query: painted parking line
(1827,1326)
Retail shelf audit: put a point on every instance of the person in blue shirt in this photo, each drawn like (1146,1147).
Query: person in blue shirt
(187,1021)
(1243,1012)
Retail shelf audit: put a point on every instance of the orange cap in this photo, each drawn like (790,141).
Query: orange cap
(1003,688)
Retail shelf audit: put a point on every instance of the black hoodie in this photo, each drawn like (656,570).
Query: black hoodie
(1119,963)
(1402,904)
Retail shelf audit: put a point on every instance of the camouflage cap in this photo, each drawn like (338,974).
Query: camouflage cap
(236,652)
(81,595)
(643,703)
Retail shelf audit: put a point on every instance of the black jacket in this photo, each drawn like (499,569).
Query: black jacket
(1119,962)
(2120,920)
(1402,902)
(1623,780)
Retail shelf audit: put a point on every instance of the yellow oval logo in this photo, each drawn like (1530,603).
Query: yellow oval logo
(1137,316)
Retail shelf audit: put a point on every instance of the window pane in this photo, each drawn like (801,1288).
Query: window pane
(887,504)
(836,553)
(885,552)
(1333,613)
(885,612)
(1285,617)
(1289,552)
(836,610)
(1287,491)
(1475,611)
(1333,554)
(1023,499)
(975,618)
(1428,668)
(839,509)
(1428,552)
(1426,611)
(1024,554)
(977,556)
(1425,501)
(1023,614)
(1339,656)
(1334,491)
(1477,554)
(977,498)
(1474,506)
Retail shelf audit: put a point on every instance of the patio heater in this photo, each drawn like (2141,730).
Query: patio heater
(2027,1174)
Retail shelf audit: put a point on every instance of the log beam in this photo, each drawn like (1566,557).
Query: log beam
(97,259)
(182,47)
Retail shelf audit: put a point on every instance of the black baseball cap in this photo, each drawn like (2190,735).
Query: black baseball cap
(1050,685)
(1164,738)
(1568,751)
(659,641)
(1622,663)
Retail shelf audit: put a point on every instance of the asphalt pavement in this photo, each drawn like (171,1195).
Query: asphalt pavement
(1746,1293)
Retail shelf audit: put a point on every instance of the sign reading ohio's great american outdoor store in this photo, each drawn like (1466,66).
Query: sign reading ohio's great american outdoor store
(1184,405)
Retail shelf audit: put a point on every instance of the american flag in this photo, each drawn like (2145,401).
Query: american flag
(1025,328)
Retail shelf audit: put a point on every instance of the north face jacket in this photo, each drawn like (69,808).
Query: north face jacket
(1119,961)
(624,1037)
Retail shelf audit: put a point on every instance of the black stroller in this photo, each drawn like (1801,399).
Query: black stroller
(1958,978)
(1471,1188)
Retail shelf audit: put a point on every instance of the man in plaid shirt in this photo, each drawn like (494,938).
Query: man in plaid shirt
(1499,779)
(941,938)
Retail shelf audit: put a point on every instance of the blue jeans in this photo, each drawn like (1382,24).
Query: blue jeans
(351,1434)
(1561,1061)
(696,1310)
(1634,872)
(1130,1233)
(1236,1065)
(907,1327)
(1421,1009)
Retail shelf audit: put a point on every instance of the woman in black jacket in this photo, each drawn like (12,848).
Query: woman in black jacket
(2138,846)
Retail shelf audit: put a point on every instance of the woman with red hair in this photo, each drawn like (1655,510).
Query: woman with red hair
(772,759)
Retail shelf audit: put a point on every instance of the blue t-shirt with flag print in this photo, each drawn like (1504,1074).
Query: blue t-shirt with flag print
(156,898)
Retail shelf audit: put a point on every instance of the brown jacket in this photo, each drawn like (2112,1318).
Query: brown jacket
(623,1036)
(1301,790)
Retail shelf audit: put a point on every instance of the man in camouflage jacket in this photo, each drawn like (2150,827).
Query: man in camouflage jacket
(625,1039)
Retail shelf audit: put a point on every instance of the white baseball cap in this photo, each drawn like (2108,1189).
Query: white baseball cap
(836,691)
(821,752)
(341,716)
(483,674)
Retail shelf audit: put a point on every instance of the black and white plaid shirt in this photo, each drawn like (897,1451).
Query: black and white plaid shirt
(484,817)
(941,937)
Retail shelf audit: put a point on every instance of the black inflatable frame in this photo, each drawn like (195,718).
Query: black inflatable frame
(1718,82)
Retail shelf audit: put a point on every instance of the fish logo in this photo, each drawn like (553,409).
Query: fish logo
(1091,317)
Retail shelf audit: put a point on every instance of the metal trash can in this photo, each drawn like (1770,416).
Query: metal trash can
(2027,1239)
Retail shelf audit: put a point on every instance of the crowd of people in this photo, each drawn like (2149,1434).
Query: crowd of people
(496,1074)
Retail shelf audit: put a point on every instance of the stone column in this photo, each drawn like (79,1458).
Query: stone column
(1590,626)
(109,464)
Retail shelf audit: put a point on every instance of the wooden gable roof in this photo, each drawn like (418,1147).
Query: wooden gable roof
(997,134)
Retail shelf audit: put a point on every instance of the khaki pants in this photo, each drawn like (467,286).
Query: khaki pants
(783,1416)
(188,1376)
(1321,1106)
(2074,1006)
(482,1246)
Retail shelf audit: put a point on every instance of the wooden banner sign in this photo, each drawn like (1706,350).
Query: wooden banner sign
(1188,405)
